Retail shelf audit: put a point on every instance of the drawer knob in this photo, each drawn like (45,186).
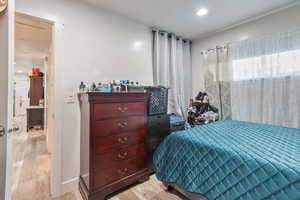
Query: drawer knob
(122,110)
(122,124)
(122,156)
(122,171)
(122,140)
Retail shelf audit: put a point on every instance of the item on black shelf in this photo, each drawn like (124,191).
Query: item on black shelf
(158,103)
(177,123)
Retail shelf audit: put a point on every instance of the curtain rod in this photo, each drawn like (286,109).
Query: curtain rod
(265,36)
(215,49)
(170,34)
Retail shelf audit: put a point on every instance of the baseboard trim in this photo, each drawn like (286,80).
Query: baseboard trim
(69,185)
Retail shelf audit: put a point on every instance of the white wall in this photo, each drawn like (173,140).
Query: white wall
(282,21)
(49,100)
(94,46)
(22,86)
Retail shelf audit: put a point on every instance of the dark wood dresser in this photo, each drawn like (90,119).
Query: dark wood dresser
(35,117)
(113,147)
(36,91)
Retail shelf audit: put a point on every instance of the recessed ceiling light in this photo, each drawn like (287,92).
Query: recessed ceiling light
(202,12)
(20,71)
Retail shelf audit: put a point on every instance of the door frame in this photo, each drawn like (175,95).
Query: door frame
(56,154)
(9,13)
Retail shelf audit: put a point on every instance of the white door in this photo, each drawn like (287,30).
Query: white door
(6,94)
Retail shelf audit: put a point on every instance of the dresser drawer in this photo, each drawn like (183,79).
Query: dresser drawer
(114,173)
(103,144)
(117,155)
(109,110)
(114,126)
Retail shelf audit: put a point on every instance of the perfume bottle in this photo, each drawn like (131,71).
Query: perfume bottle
(99,87)
(106,88)
(93,87)
(81,87)
(87,87)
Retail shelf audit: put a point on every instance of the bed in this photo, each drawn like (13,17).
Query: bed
(230,160)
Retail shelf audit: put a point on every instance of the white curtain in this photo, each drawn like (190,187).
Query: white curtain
(265,80)
(211,78)
(216,81)
(172,68)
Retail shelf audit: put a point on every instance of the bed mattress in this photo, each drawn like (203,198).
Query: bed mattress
(230,160)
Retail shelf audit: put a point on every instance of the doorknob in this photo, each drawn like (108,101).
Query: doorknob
(11,130)
(3,5)
(2,131)
(2,2)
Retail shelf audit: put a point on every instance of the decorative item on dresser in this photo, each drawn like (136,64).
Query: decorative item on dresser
(113,142)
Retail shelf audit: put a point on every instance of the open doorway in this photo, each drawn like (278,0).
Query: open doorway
(33,108)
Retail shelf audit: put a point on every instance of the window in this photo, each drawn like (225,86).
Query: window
(274,65)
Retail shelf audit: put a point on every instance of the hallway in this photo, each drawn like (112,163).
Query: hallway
(31,172)
(31,166)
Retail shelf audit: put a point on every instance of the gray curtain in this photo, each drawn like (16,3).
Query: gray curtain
(172,68)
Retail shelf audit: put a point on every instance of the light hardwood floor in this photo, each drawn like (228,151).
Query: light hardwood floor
(31,173)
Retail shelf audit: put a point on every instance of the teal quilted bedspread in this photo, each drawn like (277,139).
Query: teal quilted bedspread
(231,160)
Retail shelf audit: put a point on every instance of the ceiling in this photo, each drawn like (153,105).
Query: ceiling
(33,41)
(179,16)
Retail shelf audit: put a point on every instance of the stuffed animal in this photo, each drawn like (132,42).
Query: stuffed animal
(200,110)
